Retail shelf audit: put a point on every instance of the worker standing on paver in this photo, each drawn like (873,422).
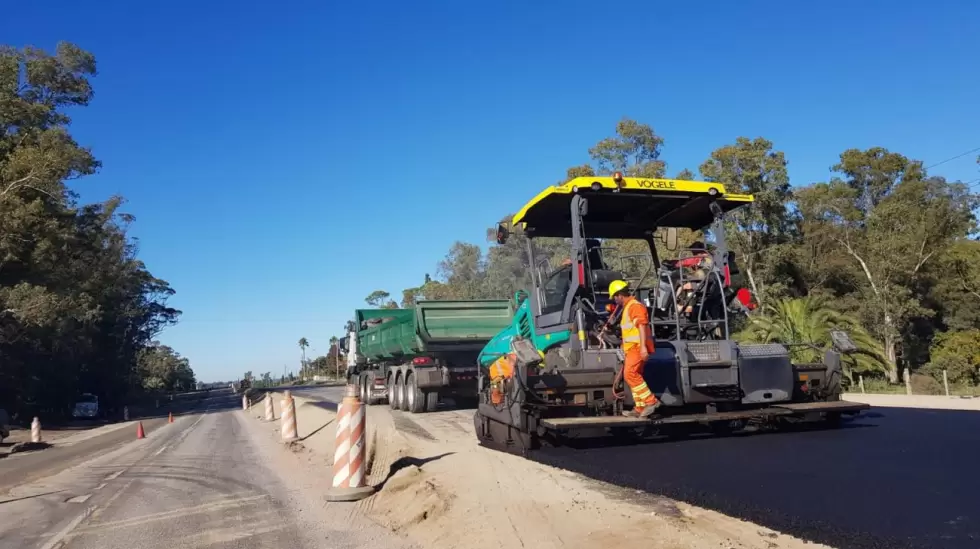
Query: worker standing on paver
(637,346)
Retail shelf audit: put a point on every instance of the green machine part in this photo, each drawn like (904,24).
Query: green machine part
(523,327)
(431,327)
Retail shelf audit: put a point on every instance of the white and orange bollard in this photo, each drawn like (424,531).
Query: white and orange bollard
(36,430)
(244,402)
(270,414)
(288,418)
(349,460)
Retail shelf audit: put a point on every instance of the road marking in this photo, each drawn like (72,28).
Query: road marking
(56,539)
(222,504)
(101,486)
(111,500)
(115,475)
(79,499)
(160,451)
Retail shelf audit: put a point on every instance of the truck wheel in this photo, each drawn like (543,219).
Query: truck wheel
(392,393)
(414,397)
(400,390)
(431,401)
(362,385)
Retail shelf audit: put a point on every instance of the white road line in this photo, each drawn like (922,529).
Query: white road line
(56,539)
(160,451)
(79,499)
(98,510)
(115,475)
(101,486)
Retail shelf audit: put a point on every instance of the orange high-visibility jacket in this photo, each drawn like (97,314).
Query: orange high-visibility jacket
(634,316)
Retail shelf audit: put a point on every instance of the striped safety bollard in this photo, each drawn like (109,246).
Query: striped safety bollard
(288,418)
(349,460)
(125,413)
(36,430)
(270,414)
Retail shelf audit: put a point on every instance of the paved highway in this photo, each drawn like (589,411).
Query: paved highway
(896,478)
(323,392)
(209,480)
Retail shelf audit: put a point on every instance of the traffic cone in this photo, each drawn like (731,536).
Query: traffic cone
(139,431)
(349,460)
(170,417)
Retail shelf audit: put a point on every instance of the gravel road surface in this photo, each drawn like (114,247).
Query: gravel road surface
(894,478)
(208,480)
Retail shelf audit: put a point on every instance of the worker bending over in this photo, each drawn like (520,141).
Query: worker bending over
(637,346)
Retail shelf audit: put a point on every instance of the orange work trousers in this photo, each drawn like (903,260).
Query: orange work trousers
(633,374)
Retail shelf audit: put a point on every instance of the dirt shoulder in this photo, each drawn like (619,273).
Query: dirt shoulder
(440,489)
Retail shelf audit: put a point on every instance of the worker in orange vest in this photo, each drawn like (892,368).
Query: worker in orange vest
(637,346)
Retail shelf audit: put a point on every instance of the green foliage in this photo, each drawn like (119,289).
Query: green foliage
(810,320)
(380,299)
(759,233)
(634,150)
(78,309)
(958,353)
(163,369)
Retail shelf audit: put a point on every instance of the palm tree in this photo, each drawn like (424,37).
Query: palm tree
(810,320)
(303,344)
(335,347)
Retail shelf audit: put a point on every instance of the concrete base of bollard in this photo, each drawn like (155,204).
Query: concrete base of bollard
(349,494)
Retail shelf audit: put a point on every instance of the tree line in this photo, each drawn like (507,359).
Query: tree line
(79,311)
(882,248)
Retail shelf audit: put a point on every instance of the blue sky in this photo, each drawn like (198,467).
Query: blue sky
(285,159)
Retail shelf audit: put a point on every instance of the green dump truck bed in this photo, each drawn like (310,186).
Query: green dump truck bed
(431,327)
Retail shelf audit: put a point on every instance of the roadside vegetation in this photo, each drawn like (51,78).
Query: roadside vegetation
(79,311)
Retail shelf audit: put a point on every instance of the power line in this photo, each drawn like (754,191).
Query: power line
(953,158)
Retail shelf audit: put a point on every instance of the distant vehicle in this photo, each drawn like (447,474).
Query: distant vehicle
(412,357)
(86,407)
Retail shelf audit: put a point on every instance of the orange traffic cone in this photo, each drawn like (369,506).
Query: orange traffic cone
(139,431)
(170,417)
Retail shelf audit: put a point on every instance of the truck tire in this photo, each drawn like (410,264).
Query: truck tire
(362,386)
(400,390)
(415,398)
(392,392)
(431,401)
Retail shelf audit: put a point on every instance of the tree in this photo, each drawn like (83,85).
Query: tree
(810,320)
(634,150)
(892,222)
(303,344)
(78,309)
(958,353)
(751,166)
(686,175)
(335,353)
(380,299)
(163,369)
(957,288)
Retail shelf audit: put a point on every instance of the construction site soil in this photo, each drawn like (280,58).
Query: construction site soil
(893,478)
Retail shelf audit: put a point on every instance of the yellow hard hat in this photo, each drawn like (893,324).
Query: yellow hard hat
(617,286)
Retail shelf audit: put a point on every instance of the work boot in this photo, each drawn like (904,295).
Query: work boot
(631,413)
(650,410)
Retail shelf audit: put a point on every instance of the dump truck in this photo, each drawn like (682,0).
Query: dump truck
(553,374)
(414,357)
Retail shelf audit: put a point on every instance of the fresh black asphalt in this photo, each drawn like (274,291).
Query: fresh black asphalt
(892,478)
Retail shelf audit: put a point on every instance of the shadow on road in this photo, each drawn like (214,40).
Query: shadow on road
(409,461)
(908,482)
